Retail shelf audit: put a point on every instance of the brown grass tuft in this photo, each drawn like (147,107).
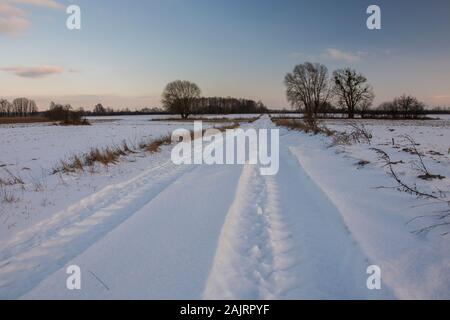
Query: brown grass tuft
(111,155)
(16,120)
(155,145)
(75,122)
(307,126)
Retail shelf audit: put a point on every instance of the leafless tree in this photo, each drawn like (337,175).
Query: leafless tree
(389,108)
(308,87)
(409,106)
(5,108)
(405,106)
(22,107)
(99,109)
(180,97)
(364,108)
(352,90)
(228,105)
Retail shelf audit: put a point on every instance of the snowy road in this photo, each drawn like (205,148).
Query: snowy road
(193,232)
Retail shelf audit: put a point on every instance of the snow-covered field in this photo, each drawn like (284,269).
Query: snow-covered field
(389,225)
(31,152)
(33,147)
(146,228)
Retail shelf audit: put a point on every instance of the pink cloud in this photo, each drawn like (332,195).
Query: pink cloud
(13,26)
(9,10)
(14,20)
(52,4)
(33,72)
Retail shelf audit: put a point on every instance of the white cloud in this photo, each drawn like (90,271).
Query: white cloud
(33,72)
(339,55)
(330,54)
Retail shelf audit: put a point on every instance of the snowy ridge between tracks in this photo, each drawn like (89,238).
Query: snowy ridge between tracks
(252,244)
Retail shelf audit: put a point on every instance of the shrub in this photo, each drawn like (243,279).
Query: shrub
(309,125)
(65,115)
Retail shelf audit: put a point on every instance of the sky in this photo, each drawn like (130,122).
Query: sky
(127,51)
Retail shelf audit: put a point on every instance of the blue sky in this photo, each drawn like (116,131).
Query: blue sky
(128,50)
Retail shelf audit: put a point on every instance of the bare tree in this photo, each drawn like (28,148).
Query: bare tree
(352,90)
(364,108)
(409,106)
(99,109)
(405,106)
(389,108)
(23,107)
(180,97)
(5,108)
(308,87)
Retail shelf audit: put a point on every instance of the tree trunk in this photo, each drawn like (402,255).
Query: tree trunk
(351,113)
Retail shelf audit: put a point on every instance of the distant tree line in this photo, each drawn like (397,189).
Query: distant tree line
(184,98)
(228,105)
(100,110)
(65,114)
(20,107)
(311,90)
(405,107)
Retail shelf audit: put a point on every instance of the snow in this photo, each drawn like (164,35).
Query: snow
(31,152)
(283,239)
(415,267)
(148,229)
(33,147)
(170,250)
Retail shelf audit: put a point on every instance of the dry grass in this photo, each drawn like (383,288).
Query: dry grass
(11,179)
(75,122)
(7,196)
(358,134)
(441,217)
(105,157)
(209,120)
(155,145)
(24,120)
(362,163)
(307,126)
(16,120)
(111,155)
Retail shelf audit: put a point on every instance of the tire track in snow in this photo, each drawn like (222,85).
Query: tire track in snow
(45,247)
(252,259)
(284,239)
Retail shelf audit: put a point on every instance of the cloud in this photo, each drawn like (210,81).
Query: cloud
(441,97)
(13,26)
(52,4)
(339,55)
(331,54)
(10,10)
(33,72)
(14,20)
